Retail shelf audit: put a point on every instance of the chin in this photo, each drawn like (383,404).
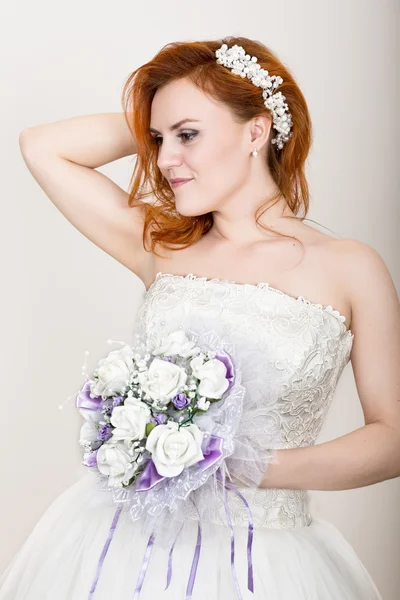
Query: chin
(188,213)
(187,210)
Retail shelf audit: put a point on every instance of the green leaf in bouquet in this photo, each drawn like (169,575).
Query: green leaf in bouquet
(150,426)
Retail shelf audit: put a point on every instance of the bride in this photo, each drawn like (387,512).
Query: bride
(221,132)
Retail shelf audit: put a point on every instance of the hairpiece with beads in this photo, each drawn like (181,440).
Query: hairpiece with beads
(236,59)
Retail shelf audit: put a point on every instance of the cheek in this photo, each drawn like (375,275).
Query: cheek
(225,168)
(218,170)
(218,160)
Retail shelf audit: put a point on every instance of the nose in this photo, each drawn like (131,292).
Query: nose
(168,158)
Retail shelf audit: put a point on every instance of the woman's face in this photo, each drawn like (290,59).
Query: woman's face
(210,147)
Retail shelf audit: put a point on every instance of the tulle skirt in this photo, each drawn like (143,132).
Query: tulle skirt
(60,560)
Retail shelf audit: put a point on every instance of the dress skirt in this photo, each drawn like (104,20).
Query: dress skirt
(60,559)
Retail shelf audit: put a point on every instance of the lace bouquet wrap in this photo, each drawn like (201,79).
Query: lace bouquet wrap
(166,433)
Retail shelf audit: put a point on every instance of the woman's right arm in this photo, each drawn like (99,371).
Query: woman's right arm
(63,156)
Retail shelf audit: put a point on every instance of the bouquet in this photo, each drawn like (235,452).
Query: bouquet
(162,424)
(142,412)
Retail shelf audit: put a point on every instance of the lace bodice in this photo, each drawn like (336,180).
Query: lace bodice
(292,353)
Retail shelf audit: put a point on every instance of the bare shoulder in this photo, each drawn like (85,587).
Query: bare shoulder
(366,278)
(348,255)
(357,259)
(352,273)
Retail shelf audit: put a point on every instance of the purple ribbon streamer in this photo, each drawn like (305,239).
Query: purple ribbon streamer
(193,570)
(192,576)
(250,581)
(105,550)
(228,518)
(145,564)
(169,572)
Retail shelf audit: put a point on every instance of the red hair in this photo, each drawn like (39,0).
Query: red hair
(196,61)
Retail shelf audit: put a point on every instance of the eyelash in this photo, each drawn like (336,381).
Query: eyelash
(155,140)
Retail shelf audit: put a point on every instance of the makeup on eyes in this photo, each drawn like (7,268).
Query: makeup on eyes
(187,136)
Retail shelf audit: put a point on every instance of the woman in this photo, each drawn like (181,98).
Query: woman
(291,304)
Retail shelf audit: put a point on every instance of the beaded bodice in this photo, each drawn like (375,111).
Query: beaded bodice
(292,354)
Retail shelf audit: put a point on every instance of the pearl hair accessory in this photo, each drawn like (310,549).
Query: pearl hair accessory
(236,59)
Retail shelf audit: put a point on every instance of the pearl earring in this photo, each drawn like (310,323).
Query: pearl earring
(254,153)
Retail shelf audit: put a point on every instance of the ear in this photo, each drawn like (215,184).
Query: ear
(259,130)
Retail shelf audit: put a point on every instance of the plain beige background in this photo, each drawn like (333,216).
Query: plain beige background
(61,295)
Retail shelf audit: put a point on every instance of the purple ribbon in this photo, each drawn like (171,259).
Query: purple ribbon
(230,369)
(148,478)
(250,581)
(195,561)
(145,564)
(193,570)
(105,550)
(192,576)
(212,454)
(85,402)
(228,518)
(169,572)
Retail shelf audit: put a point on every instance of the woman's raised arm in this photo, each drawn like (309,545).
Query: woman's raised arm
(62,156)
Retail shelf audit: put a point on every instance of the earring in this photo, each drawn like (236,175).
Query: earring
(254,153)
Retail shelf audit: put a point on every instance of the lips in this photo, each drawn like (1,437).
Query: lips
(178,182)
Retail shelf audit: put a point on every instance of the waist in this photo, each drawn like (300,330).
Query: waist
(270,508)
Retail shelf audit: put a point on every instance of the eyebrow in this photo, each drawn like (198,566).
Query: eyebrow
(176,125)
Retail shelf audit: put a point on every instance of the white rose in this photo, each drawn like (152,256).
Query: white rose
(91,416)
(116,461)
(130,420)
(163,380)
(114,373)
(173,450)
(212,375)
(176,343)
(88,434)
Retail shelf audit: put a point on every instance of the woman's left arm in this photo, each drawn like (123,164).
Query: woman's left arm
(371,453)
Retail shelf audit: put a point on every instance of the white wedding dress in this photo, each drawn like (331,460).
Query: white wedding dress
(295,352)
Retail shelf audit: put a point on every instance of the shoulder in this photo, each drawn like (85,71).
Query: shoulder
(360,276)
(345,255)
(357,259)
(366,278)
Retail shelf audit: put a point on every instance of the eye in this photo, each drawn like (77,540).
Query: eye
(187,137)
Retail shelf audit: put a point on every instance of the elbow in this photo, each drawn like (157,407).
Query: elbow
(25,138)
(29,142)
(393,434)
